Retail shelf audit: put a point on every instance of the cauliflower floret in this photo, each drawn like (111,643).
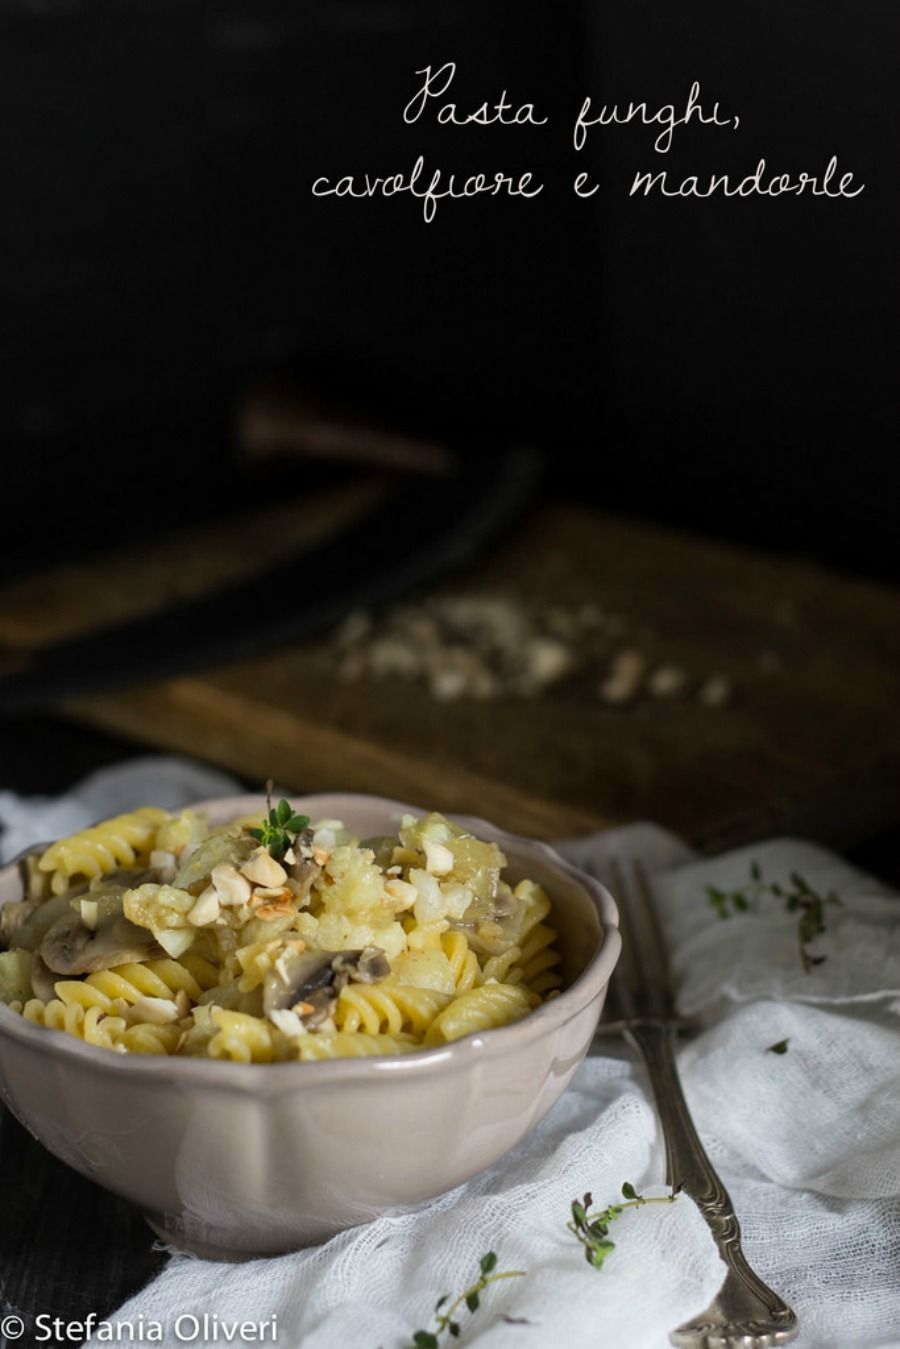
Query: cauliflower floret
(158,907)
(476,864)
(179,831)
(338,932)
(351,883)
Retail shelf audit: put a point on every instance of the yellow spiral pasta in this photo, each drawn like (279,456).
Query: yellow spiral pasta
(387,1008)
(480,1009)
(147,1039)
(537,963)
(147,979)
(496,969)
(463,960)
(341,1045)
(106,847)
(242,1038)
(88,1024)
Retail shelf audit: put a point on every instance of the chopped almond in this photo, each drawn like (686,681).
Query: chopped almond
(232,888)
(271,895)
(275,910)
(206,910)
(262,869)
(438,859)
(287,1022)
(158,1011)
(401,895)
(89,913)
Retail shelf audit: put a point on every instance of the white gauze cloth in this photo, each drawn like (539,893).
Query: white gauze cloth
(807,1142)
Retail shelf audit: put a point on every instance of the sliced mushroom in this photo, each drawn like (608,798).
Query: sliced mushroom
(124,877)
(43,981)
(304,874)
(361,967)
(218,848)
(38,921)
(309,982)
(297,977)
(71,947)
(12,917)
(486,922)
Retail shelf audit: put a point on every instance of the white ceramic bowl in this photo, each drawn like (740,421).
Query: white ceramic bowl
(235,1160)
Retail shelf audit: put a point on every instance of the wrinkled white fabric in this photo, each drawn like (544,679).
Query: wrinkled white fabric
(807,1142)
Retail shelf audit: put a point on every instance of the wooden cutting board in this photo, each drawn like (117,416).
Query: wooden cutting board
(809,743)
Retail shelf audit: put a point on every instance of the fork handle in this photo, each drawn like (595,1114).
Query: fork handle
(746,1314)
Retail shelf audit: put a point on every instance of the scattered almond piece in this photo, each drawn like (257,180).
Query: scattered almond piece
(232,888)
(401,894)
(623,681)
(158,1011)
(272,904)
(716,692)
(262,869)
(175,940)
(668,681)
(89,913)
(287,1021)
(271,895)
(206,910)
(438,858)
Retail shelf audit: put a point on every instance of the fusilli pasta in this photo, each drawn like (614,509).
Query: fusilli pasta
(120,842)
(274,939)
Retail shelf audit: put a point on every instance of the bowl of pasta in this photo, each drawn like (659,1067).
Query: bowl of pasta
(266,1022)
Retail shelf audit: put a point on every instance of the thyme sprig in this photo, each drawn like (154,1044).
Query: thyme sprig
(280,827)
(592,1229)
(798,897)
(445,1320)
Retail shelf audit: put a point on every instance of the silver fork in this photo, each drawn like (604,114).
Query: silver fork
(746,1314)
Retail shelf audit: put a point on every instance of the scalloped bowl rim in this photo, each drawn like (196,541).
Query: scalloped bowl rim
(224,1075)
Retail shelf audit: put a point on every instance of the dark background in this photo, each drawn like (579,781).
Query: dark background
(726,364)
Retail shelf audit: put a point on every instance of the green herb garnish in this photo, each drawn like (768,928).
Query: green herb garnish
(470,1298)
(592,1229)
(798,897)
(280,828)
(780,1047)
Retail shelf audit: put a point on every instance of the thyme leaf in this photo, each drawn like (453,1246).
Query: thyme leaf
(445,1321)
(592,1229)
(798,896)
(280,827)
